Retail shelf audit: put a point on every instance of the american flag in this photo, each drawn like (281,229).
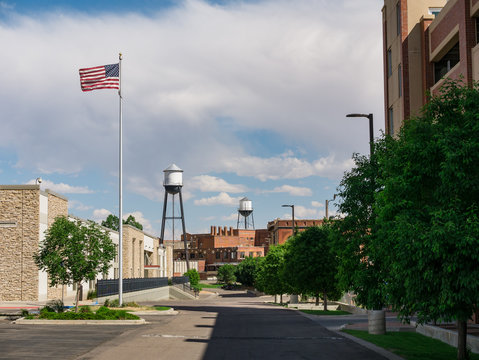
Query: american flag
(100,77)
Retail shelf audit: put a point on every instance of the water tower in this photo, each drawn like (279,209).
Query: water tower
(246,211)
(173,182)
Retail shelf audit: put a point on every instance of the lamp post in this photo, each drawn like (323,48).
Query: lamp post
(292,213)
(371,133)
(38,180)
(327,205)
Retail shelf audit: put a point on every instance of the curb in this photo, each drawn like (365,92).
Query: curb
(23,321)
(170,311)
(379,350)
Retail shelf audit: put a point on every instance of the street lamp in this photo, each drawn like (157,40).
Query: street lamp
(292,211)
(38,180)
(327,205)
(371,134)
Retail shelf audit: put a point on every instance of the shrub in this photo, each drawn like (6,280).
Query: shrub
(56,305)
(130,304)
(115,303)
(106,303)
(25,312)
(226,274)
(194,277)
(85,309)
(91,294)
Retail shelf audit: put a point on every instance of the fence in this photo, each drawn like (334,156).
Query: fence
(183,283)
(110,287)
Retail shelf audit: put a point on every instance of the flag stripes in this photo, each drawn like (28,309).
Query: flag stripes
(100,77)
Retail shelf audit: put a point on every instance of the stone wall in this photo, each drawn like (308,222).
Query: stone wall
(19,226)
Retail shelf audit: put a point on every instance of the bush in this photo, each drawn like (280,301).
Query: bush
(85,309)
(91,294)
(194,277)
(247,270)
(103,313)
(25,312)
(56,305)
(130,304)
(226,274)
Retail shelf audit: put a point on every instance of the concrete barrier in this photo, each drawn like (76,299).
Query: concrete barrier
(377,322)
(446,336)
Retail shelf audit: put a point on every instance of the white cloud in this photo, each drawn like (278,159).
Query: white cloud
(62,188)
(220,199)
(100,214)
(317,204)
(139,217)
(207,183)
(77,205)
(285,167)
(233,216)
(264,65)
(292,190)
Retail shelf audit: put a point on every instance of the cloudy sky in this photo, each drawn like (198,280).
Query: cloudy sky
(247,97)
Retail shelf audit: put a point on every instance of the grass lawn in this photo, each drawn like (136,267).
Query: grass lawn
(327,312)
(410,345)
(209,286)
(162,308)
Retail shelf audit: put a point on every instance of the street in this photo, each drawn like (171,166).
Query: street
(233,325)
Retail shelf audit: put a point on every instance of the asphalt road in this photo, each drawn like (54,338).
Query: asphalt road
(230,326)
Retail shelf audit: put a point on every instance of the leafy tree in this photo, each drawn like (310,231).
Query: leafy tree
(112,222)
(247,269)
(73,252)
(429,212)
(226,274)
(311,265)
(270,276)
(360,267)
(194,277)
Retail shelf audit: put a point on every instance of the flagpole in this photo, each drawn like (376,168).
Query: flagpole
(120,217)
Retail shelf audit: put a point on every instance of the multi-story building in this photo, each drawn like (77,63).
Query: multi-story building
(426,41)
(26,213)
(224,245)
(280,230)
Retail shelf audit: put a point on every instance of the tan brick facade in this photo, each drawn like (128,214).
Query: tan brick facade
(19,229)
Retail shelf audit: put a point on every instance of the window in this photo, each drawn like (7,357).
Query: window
(477,30)
(390,63)
(258,254)
(448,61)
(398,19)
(233,255)
(390,121)
(400,80)
(251,254)
(434,11)
(192,255)
(218,255)
(242,255)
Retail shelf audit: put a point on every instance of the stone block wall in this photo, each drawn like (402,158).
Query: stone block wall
(19,226)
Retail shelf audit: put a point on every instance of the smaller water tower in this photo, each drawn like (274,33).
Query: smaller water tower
(173,182)
(245,210)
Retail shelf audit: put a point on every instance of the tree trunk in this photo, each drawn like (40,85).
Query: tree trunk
(461,339)
(77,297)
(275,298)
(281,299)
(317,300)
(325,301)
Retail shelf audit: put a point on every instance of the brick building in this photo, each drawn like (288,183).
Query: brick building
(26,212)
(426,41)
(223,245)
(280,230)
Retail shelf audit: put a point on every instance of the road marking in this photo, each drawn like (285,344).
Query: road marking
(245,337)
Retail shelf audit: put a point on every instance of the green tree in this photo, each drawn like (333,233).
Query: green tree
(112,222)
(226,274)
(270,276)
(247,269)
(194,277)
(311,265)
(73,252)
(429,212)
(360,269)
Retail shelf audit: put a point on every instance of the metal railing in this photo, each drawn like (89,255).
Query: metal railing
(183,283)
(110,287)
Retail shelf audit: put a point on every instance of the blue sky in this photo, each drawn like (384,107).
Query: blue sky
(247,97)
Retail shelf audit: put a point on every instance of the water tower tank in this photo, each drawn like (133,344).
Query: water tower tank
(245,206)
(173,179)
